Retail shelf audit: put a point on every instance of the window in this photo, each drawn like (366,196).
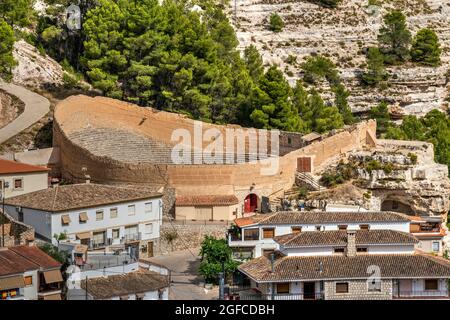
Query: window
(251,234)
(99,215)
(318,228)
(435,246)
(131,210)
(115,233)
(65,219)
(148,207)
(361,249)
(149,228)
(374,286)
(99,238)
(342,287)
(339,250)
(431,284)
(296,229)
(364,227)
(342,227)
(18,183)
(289,140)
(83,217)
(268,233)
(282,287)
(113,213)
(28,280)
(20,216)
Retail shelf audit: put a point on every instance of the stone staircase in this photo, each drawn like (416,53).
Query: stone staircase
(307,180)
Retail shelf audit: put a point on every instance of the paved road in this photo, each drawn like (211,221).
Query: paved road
(186,282)
(36,107)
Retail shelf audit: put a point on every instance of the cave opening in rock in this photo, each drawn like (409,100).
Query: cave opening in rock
(397,206)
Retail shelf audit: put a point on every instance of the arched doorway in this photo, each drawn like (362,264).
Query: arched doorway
(250,203)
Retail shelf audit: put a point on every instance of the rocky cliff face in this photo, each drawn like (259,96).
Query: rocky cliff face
(342,34)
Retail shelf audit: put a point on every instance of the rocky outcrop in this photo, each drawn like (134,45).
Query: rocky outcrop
(342,34)
(35,69)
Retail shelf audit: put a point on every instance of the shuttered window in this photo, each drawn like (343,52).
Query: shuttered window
(113,213)
(99,215)
(148,207)
(431,284)
(296,229)
(28,280)
(282,287)
(342,287)
(268,233)
(131,210)
(342,227)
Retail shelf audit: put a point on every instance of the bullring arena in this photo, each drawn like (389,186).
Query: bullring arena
(118,142)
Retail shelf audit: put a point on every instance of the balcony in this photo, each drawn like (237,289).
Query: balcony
(431,294)
(132,237)
(287,296)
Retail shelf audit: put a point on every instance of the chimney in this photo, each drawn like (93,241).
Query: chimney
(351,243)
(88,178)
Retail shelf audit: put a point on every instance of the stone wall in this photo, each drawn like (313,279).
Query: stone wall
(239,179)
(357,290)
(187,236)
(16,233)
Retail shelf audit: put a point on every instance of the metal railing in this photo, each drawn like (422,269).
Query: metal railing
(281,296)
(132,237)
(421,294)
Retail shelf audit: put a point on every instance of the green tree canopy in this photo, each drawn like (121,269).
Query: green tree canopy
(425,49)
(276,23)
(381,114)
(215,253)
(376,71)
(7,40)
(16,12)
(394,38)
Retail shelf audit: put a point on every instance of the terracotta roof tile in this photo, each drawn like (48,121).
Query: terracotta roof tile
(13,263)
(295,268)
(313,217)
(124,284)
(339,238)
(37,256)
(206,200)
(77,196)
(7,167)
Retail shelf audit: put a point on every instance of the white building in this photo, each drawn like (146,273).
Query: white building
(254,236)
(19,178)
(95,215)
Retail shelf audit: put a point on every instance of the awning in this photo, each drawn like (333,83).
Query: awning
(54,296)
(80,248)
(124,297)
(83,235)
(53,276)
(11,283)
(65,219)
(83,217)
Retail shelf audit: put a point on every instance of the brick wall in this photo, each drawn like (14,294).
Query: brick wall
(17,233)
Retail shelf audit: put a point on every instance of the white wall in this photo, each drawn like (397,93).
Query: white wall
(328,250)
(31,182)
(31,292)
(47,224)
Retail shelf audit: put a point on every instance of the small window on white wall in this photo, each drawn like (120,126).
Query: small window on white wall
(131,210)
(113,213)
(148,207)
(436,246)
(149,228)
(18,184)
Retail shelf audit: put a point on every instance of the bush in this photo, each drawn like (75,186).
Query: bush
(412,157)
(426,49)
(276,24)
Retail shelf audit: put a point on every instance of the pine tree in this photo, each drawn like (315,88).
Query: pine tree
(425,49)
(376,71)
(276,23)
(254,63)
(395,38)
(7,40)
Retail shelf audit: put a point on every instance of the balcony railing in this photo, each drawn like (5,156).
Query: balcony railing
(281,296)
(431,294)
(132,237)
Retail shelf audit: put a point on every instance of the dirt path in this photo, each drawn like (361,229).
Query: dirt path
(36,107)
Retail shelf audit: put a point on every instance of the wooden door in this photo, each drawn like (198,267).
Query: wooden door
(304,164)
(150,249)
(204,213)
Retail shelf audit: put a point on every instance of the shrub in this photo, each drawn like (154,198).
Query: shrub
(276,24)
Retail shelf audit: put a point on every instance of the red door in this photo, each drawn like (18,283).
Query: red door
(250,203)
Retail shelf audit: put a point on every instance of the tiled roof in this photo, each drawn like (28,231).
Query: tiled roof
(339,238)
(124,284)
(77,196)
(206,200)
(37,256)
(319,217)
(297,268)
(8,167)
(19,259)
